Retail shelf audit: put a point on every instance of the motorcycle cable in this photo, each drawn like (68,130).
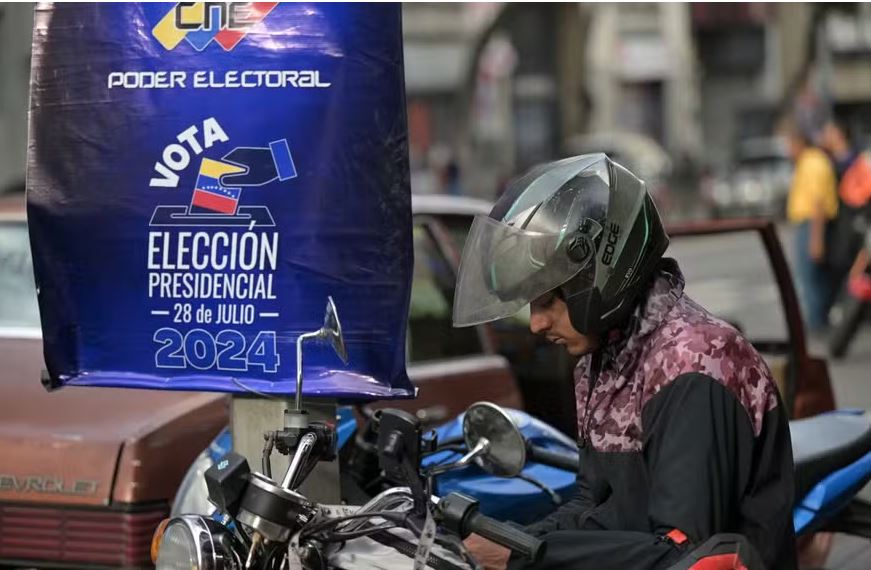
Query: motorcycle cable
(344,536)
(555,497)
(273,557)
(398,518)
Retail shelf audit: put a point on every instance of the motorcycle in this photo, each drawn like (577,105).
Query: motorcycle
(520,471)
(270,525)
(831,454)
(278,528)
(545,481)
(266,523)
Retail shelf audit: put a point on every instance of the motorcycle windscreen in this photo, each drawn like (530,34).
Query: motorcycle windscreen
(202,176)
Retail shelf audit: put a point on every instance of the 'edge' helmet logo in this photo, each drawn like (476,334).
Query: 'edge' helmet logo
(610,243)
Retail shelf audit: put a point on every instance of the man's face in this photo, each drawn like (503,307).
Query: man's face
(549,316)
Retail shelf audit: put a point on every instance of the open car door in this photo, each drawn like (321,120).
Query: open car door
(738,271)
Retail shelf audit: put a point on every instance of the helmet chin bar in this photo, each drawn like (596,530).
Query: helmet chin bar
(586,311)
(582,307)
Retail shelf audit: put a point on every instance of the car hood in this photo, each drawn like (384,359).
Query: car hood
(68,446)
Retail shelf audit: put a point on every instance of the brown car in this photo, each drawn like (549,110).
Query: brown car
(778,330)
(87,473)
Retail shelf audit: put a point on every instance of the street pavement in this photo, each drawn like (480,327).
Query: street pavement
(731,276)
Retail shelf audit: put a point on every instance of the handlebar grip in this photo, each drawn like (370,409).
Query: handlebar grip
(506,535)
(560,459)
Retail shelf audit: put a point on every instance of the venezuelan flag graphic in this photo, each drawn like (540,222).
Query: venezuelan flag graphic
(207,26)
(210,197)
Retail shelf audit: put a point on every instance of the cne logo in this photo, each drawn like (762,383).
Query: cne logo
(199,23)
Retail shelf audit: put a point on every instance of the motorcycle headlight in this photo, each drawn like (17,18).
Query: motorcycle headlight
(178,550)
(192,542)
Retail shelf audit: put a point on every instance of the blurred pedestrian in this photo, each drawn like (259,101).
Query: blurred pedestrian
(811,205)
(835,140)
(845,241)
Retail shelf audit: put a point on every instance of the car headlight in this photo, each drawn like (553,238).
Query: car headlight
(192,542)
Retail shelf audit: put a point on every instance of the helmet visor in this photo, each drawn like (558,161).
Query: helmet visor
(504,267)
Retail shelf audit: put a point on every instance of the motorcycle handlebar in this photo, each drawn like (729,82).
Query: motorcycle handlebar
(459,514)
(508,536)
(559,459)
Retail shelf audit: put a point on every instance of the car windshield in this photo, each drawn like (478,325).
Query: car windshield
(18,307)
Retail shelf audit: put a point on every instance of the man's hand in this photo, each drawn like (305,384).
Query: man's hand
(488,554)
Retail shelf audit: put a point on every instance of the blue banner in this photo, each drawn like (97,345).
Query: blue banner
(201,176)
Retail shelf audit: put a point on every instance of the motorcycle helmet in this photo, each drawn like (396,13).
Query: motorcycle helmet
(582,226)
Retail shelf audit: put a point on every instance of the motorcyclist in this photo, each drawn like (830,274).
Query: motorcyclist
(681,430)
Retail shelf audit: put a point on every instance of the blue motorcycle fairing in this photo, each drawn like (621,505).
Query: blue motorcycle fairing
(221,445)
(831,495)
(346,425)
(508,498)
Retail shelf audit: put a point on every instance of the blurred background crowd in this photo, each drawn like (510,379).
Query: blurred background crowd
(688,95)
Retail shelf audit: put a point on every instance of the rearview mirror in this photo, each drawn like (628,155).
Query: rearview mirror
(332,330)
(505,450)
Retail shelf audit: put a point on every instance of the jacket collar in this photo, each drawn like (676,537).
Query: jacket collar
(624,345)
